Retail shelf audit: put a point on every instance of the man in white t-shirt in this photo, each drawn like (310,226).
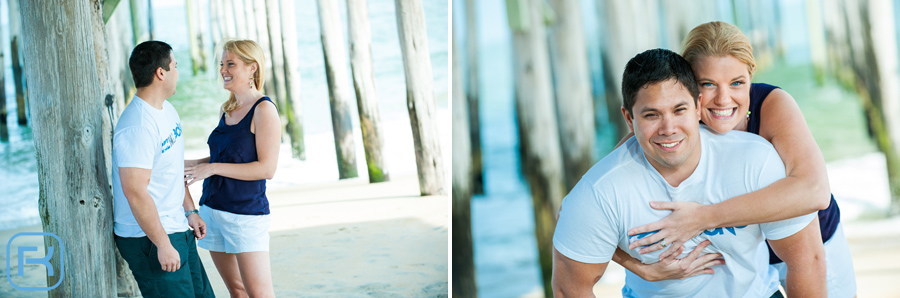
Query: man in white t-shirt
(153,209)
(672,157)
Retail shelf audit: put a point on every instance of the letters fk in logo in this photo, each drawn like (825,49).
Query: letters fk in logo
(24,259)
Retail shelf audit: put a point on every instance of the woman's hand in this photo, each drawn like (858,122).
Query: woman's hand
(693,264)
(193,162)
(198,172)
(674,230)
(198,225)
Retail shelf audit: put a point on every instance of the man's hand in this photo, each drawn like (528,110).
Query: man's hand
(168,258)
(198,225)
(691,265)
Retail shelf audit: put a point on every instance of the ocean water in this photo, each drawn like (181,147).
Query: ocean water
(198,99)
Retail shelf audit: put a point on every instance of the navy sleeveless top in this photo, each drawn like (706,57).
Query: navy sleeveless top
(830,217)
(234,144)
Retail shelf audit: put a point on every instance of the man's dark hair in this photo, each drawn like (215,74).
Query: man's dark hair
(146,58)
(654,66)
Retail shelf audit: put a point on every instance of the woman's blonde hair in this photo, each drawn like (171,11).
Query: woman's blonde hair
(249,52)
(718,39)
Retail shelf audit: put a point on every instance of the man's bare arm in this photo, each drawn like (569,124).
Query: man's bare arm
(134,185)
(804,255)
(574,279)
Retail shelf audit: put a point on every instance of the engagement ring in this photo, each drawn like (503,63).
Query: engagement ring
(661,242)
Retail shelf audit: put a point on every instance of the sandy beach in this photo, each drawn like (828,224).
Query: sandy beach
(340,239)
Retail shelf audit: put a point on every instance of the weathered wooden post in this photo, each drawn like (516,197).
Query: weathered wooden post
(463,254)
(239,17)
(628,32)
(339,97)
(215,29)
(2,89)
(864,50)
(250,13)
(225,17)
(118,41)
(4,131)
(195,35)
(292,79)
(150,28)
(228,19)
(420,96)
(541,159)
(276,54)
(75,198)
(364,84)
(140,21)
(262,27)
(471,90)
(15,50)
(574,100)
(817,41)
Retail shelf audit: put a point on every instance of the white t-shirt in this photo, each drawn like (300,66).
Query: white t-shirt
(148,138)
(614,196)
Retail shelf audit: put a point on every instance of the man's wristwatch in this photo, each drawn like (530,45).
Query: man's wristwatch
(188,213)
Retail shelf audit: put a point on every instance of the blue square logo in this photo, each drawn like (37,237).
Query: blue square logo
(58,251)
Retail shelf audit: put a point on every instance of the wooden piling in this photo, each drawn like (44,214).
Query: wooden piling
(198,52)
(539,136)
(262,27)
(292,79)
(471,90)
(339,97)
(239,17)
(68,130)
(463,279)
(574,100)
(420,96)
(364,85)
(15,48)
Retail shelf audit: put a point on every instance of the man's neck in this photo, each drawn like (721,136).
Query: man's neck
(675,176)
(152,96)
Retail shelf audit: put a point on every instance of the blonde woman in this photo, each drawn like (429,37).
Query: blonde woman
(243,151)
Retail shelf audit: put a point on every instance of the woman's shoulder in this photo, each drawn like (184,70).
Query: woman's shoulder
(265,106)
(762,91)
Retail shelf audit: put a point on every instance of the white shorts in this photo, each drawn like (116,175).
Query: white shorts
(234,233)
(840,276)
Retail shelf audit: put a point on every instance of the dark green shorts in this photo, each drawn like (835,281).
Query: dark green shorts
(188,281)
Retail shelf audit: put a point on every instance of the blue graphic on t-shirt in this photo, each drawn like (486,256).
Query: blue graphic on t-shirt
(719,231)
(710,232)
(641,236)
(168,142)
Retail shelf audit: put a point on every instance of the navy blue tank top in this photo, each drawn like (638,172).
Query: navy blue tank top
(234,144)
(828,218)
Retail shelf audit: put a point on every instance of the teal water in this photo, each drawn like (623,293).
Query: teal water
(198,97)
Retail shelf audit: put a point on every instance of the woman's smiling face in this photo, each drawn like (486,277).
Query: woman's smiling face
(725,92)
